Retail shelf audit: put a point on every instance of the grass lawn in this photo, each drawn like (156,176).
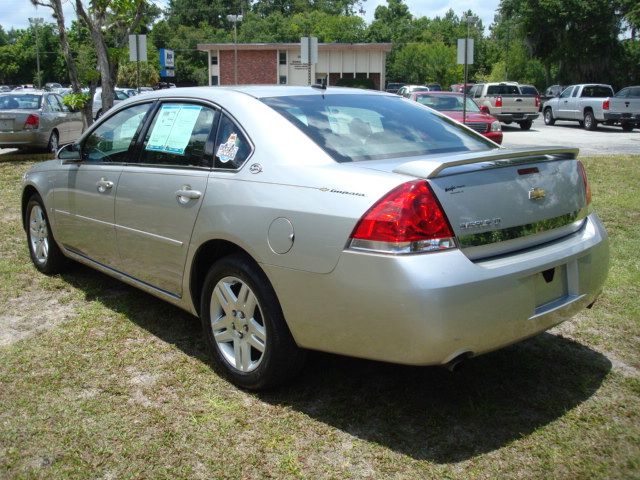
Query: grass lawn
(99,380)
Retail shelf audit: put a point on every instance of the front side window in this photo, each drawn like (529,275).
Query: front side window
(111,140)
(232,146)
(354,128)
(178,136)
(566,93)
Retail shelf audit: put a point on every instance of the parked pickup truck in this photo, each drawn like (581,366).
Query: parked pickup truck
(506,102)
(588,104)
(623,108)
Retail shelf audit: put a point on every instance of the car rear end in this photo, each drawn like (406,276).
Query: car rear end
(468,251)
(22,124)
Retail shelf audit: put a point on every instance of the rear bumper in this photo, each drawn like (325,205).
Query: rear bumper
(29,138)
(515,117)
(620,117)
(427,309)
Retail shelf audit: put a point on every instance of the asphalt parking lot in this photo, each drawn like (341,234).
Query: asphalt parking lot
(604,140)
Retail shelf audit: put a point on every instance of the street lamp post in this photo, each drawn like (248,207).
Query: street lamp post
(35,22)
(469,19)
(235,19)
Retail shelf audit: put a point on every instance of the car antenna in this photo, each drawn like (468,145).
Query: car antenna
(321,85)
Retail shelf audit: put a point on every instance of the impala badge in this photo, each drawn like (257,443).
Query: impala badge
(537,193)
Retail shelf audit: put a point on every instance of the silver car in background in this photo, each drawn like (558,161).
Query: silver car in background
(118,96)
(36,119)
(340,220)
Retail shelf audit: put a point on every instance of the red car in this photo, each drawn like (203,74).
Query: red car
(450,104)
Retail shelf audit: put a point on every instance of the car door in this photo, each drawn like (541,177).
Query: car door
(563,110)
(159,197)
(85,190)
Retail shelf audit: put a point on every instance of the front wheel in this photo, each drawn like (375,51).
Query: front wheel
(244,327)
(43,249)
(526,125)
(548,117)
(590,121)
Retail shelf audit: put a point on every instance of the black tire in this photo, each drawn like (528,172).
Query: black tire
(280,359)
(526,125)
(590,121)
(54,142)
(548,117)
(50,261)
(627,127)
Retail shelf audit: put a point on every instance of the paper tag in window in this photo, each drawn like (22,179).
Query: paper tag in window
(227,151)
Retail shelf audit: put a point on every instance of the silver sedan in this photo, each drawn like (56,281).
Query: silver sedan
(36,119)
(340,220)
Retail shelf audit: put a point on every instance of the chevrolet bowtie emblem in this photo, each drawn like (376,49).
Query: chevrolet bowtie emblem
(537,193)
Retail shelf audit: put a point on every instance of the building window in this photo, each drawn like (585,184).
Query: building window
(283,59)
(214,59)
(283,79)
(214,80)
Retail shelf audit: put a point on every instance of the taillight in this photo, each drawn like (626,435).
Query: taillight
(587,188)
(605,104)
(32,122)
(537,100)
(408,219)
(499,102)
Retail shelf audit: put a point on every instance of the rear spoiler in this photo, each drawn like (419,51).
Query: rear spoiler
(504,157)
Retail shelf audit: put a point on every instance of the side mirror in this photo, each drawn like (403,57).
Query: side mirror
(485,109)
(70,153)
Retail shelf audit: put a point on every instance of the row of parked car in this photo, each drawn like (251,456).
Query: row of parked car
(510,102)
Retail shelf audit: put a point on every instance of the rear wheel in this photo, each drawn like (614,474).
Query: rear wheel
(244,327)
(526,125)
(43,249)
(627,127)
(548,117)
(53,144)
(590,121)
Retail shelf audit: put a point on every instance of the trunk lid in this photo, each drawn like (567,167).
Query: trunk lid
(13,120)
(506,200)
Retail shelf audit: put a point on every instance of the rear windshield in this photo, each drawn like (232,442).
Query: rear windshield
(20,102)
(594,91)
(353,128)
(528,90)
(447,103)
(503,90)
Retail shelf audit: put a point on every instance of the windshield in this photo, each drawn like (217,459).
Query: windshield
(447,103)
(354,128)
(20,102)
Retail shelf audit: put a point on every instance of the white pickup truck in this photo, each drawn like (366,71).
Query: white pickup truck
(590,104)
(506,102)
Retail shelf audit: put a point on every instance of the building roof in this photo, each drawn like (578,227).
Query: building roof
(322,47)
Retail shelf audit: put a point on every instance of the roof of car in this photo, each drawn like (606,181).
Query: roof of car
(262,91)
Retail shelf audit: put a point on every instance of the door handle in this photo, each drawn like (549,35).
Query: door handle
(185,194)
(104,185)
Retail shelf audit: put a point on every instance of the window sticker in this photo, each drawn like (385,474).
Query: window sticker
(227,151)
(173,128)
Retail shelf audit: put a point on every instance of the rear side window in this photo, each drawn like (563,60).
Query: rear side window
(352,128)
(232,147)
(178,136)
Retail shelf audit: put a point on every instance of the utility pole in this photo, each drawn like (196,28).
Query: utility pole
(235,19)
(469,19)
(35,22)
